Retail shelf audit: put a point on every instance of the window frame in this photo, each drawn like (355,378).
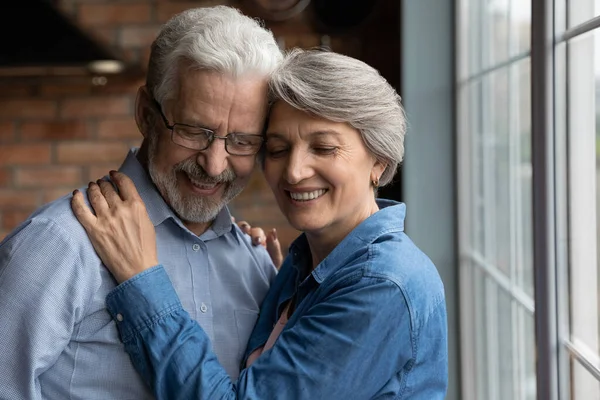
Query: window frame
(554,172)
(510,283)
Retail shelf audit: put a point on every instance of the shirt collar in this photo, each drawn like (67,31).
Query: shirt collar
(158,209)
(220,226)
(389,218)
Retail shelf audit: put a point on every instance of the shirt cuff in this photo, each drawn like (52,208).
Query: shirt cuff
(142,301)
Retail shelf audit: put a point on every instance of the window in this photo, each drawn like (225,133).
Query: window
(579,61)
(495,173)
(501,310)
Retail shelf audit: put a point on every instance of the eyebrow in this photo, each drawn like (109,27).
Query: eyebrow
(326,132)
(194,124)
(198,124)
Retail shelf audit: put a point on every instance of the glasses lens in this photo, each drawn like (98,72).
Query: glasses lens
(244,144)
(192,138)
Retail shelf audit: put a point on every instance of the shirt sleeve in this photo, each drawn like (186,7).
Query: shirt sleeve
(39,304)
(325,355)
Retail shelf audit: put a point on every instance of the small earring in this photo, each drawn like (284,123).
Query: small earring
(375,182)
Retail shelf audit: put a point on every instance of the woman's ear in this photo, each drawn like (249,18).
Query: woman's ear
(377,171)
(145,112)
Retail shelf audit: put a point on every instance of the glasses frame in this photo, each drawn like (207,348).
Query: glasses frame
(210,134)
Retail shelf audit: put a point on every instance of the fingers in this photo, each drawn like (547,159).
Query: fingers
(258,237)
(270,241)
(256,234)
(81,210)
(125,185)
(274,248)
(244,226)
(109,192)
(97,199)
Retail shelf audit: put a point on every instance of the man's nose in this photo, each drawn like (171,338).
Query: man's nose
(215,158)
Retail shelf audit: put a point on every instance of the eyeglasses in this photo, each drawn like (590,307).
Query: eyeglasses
(199,139)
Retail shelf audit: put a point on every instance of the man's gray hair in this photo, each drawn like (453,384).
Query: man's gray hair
(344,89)
(219,39)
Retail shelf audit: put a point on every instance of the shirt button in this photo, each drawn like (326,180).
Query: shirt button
(203,308)
(119,317)
(196,247)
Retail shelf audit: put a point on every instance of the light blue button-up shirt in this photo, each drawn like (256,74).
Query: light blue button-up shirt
(57,340)
(369,323)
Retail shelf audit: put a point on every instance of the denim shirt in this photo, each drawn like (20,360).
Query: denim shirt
(369,322)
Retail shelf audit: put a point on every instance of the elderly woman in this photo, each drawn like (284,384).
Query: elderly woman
(357,311)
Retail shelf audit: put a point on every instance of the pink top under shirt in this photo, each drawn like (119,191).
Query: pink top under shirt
(272,337)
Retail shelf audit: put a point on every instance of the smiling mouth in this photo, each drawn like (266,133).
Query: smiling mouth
(306,196)
(202,185)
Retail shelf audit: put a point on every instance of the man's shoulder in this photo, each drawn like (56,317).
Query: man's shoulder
(51,244)
(258,253)
(59,211)
(54,218)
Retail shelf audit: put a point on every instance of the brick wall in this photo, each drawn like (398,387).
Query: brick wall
(58,136)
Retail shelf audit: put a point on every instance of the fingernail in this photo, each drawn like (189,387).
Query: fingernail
(112,172)
(274,233)
(75,192)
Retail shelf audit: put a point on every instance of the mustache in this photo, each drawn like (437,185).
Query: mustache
(196,171)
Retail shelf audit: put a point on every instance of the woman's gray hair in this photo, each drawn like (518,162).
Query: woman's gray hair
(219,39)
(344,89)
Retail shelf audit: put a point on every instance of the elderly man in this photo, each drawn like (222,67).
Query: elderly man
(201,113)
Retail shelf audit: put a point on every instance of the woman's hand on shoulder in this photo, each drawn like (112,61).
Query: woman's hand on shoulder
(120,230)
(268,241)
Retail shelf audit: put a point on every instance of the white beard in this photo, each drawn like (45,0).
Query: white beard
(192,208)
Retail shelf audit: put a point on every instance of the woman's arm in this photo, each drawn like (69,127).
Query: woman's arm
(348,346)
(357,342)
(170,350)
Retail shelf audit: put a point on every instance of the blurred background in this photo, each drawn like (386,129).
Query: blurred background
(502,153)
(70,71)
